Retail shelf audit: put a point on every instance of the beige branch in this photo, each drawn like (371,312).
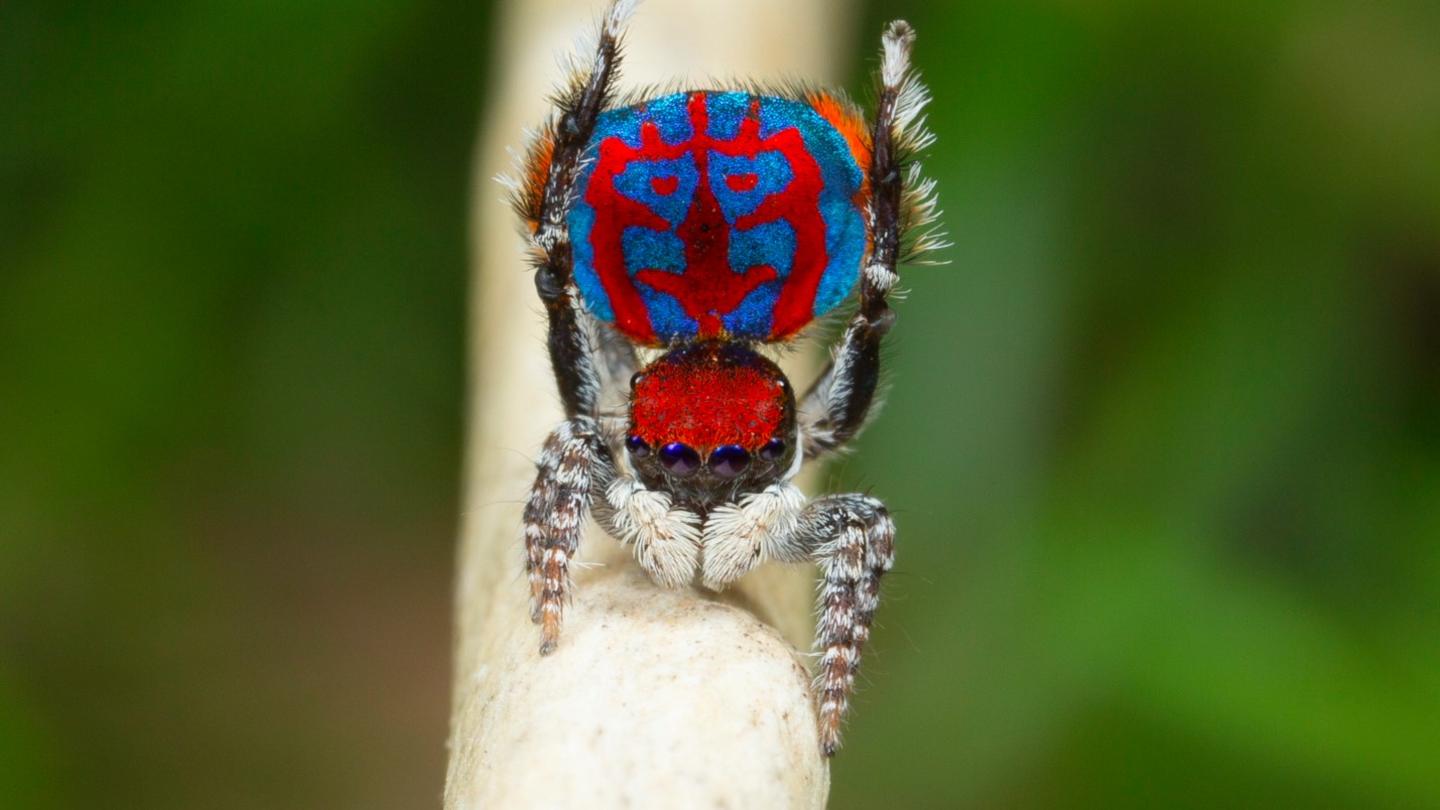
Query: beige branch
(654,698)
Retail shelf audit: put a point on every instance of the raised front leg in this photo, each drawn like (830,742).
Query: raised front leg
(573,457)
(901,207)
(852,538)
(543,198)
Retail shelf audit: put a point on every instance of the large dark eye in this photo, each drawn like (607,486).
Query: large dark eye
(679,459)
(729,460)
(773,450)
(637,447)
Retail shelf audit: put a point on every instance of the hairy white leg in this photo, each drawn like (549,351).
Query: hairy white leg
(573,455)
(853,539)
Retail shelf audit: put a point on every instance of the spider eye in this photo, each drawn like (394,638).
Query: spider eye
(773,450)
(679,459)
(636,378)
(637,447)
(729,460)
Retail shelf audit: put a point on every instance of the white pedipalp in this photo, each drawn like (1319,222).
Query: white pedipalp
(666,537)
(760,527)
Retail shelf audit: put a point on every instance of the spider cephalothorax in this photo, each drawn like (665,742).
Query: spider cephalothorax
(709,224)
(710,421)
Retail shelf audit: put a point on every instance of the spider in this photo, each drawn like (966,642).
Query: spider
(697,227)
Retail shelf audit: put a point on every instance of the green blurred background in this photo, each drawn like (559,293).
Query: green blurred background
(1163,440)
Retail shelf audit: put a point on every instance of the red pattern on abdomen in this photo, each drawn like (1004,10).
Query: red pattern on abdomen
(708,288)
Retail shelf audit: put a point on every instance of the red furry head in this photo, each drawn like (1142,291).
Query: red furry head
(712,404)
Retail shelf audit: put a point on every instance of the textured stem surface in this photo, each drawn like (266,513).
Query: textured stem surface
(654,697)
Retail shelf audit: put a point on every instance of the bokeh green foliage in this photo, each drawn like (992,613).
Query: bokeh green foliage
(1163,439)
(232,276)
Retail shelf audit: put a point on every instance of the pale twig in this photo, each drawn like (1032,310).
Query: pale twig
(654,698)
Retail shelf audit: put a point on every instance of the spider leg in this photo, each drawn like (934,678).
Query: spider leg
(575,453)
(835,408)
(554,163)
(573,457)
(852,538)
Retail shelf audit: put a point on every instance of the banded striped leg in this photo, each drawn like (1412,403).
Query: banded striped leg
(853,539)
(573,458)
(901,205)
(575,452)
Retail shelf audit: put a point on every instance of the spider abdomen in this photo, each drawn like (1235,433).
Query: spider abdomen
(705,223)
(720,215)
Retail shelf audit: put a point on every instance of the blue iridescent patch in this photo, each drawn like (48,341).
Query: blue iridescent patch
(717,215)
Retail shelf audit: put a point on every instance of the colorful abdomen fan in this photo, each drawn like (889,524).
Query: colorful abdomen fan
(720,215)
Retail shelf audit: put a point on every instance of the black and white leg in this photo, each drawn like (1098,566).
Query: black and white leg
(575,453)
(852,538)
(573,458)
(558,161)
(901,205)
